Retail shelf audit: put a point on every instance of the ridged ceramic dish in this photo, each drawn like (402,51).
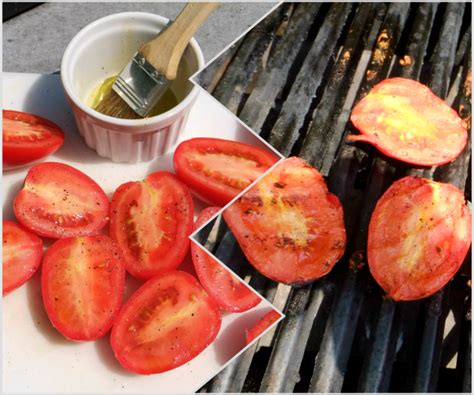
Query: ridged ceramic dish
(99,51)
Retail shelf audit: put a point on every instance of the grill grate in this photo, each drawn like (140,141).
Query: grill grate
(294,79)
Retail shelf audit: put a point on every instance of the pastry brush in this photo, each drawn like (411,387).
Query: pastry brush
(154,66)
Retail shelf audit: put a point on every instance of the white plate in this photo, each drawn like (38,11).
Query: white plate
(36,358)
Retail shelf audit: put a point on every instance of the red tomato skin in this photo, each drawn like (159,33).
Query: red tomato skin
(113,295)
(205,188)
(439,150)
(23,208)
(262,324)
(242,298)
(255,217)
(133,303)
(413,249)
(20,153)
(178,252)
(12,230)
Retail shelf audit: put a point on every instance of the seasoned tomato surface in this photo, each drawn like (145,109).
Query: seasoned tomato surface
(264,323)
(28,138)
(58,201)
(419,235)
(164,324)
(82,282)
(21,255)
(218,170)
(407,121)
(224,287)
(151,221)
(290,227)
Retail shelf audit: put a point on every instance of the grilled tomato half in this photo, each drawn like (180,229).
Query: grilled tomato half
(419,235)
(289,226)
(405,120)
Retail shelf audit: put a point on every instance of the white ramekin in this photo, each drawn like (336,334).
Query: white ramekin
(99,51)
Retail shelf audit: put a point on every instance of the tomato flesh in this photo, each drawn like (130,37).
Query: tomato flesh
(419,235)
(167,322)
(289,226)
(218,170)
(28,138)
(58,201)
(82,283)
(151,221)
(262,324)
(225,288)
(21,255)
(405,120)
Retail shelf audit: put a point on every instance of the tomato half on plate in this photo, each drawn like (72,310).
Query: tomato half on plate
(262,324)
(28,138)
(151,221)
(405,120)
(21,255)
(58,201)
(419,235)
(82,282)
(289,226)
(167,322)
(225,288)
(218,170)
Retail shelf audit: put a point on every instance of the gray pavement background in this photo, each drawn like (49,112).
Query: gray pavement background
(35,41)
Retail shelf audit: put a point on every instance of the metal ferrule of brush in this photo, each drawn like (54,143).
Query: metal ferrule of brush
(140,85)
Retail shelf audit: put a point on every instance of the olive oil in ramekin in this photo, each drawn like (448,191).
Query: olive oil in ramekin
(176,92)
(166,102)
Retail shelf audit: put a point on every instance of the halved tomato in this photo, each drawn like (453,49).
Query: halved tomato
(82,282)
(289,226)
(28,138)
(218,170)
(167,322)
(419,235)
(407,121)
(224,287)
(262,324)
(151,221)
(21,255)
(58,200)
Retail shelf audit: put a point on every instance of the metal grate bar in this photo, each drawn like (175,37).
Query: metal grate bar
(274,77)
(418,43)
(293,113)
(442,61)
(231,87)
(321,133)
(232,378)
(304,304)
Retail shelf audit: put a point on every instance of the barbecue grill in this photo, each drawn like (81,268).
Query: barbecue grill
(294,79)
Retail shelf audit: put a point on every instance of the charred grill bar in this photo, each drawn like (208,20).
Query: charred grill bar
(294,80)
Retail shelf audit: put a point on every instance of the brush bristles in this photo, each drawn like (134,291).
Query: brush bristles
(113,105)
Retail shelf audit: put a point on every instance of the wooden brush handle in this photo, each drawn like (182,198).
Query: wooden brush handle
(164,52)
